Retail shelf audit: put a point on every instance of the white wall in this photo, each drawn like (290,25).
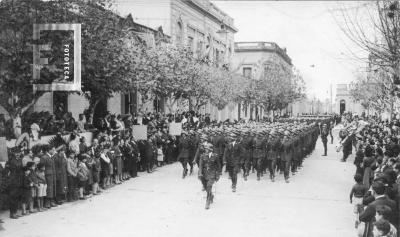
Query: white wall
(114,104)
(77,104)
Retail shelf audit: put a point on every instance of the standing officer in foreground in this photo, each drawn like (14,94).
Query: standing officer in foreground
(324,138)
(209,171)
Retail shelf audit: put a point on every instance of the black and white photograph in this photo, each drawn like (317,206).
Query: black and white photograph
(199,118)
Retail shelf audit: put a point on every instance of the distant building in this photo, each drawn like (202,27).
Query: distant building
(311,106)
(344,102)
(248,59)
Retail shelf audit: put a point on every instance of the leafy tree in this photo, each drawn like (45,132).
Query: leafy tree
(370,89)
(108,50)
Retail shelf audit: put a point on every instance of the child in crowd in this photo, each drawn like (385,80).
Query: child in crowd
(33,178)
(27,185)
(42,186)
(357,193)
(82,175)
(160,156)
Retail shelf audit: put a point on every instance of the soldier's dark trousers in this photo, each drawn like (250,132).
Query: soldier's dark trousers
(184,162)
(345,155)
(233,175)
(272,167)
(325,142)
(204,183)
(331,137)
(286,168)
(259,166)
(221,160)
(295,164)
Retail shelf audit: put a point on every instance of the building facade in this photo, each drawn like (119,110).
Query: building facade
(248,60)
(344,102)
(197,24)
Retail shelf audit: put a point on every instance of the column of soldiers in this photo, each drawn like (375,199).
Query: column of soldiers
(276,147)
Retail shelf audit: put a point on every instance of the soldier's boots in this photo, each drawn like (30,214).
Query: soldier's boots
(233,188)
(272,178)
(212,198)
(287,180)
(184,173)
(208,201)
(208,204)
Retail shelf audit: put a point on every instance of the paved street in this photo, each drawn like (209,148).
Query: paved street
(314,203)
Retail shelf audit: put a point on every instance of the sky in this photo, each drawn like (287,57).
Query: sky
(311,32)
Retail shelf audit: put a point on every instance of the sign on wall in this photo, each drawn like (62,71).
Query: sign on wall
(57,57)
(175,129)
(139,132)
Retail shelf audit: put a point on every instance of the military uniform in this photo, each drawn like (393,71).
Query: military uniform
(286,156)
(273,148)
(209,172)
(233,156)
(184,153)
(248,145)
(219,143)
(324,138)
(259,154)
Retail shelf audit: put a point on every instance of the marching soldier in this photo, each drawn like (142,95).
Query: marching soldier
(219,143)
(184,152)
(248,154)
(273,147)
(209,171)
(259,153)
(287,155)
(233,158)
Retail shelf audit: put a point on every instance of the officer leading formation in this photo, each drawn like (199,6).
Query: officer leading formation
(277,147)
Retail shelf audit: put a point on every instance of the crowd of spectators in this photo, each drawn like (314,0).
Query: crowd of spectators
(68,169)
(376,193)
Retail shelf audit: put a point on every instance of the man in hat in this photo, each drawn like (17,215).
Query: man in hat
(50,173)
(233,156)
(324,138)
(209,171)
